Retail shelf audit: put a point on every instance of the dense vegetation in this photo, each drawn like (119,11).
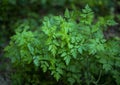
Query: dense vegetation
(46,46)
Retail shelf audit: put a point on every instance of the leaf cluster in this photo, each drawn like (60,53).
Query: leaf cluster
(71,48)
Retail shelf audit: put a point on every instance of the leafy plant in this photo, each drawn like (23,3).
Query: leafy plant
(71,48)
(12,11)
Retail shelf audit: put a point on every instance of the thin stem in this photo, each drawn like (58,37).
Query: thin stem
(96,83)
(88,65)
(99,76)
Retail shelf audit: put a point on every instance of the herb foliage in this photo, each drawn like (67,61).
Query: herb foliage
(71,48)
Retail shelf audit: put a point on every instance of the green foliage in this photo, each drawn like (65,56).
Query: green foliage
(11,11)
(71,48)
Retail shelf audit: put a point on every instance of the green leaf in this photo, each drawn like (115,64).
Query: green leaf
(36,62)
(111,22)
(50,47)
(80,50)
(87,9)
(100,47)
(102,60)
(44,68)
(92,48)
(44,65)
(57,76)
(107,67)
(95,28)
(70,46)
(63,54)
(59,70)
(74,53)
(67,14)
(116,75)
(53,49)
(31,49)
(67,59)
(71,80)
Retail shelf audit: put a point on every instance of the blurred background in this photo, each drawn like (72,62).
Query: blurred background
(15,12)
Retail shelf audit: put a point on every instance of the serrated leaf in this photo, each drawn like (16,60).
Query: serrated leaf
(94,29)
(31,49)
(50,47)
(67,14)
(100,47)
(59,70)
(87,9)
(44,67)
(36,62)
(74,53)
(102,60)
(67,59)
(111,22)
(73,40)
(57,76)
(70,46)
(80,50)
(53,49)
(107,67)
(63,54)
(71,80)
(55,42)
(92,49)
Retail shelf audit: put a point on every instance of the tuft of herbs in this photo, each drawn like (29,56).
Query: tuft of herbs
(70,48)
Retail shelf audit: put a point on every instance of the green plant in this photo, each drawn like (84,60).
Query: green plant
(12,11)
(72,49)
